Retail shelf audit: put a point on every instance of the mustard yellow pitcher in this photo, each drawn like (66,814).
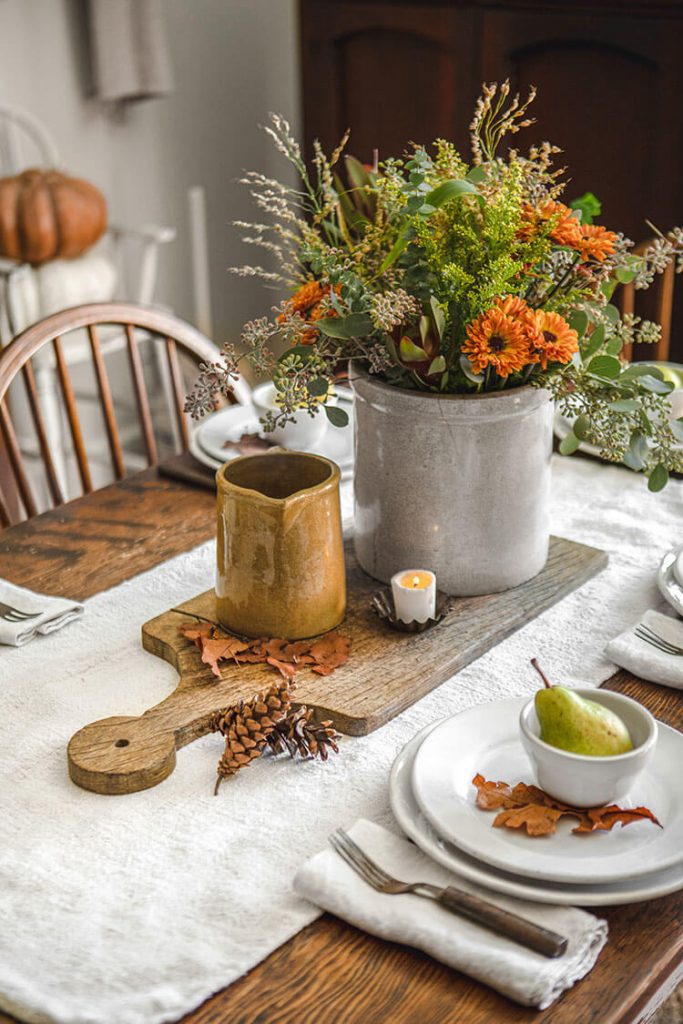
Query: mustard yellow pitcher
(280,549)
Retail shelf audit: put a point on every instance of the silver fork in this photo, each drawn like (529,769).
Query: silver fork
(526,933)
(10,614)
(655,640)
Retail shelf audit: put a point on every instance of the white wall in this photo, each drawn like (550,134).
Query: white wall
(233,61)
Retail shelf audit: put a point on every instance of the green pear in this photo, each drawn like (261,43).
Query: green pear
(581,726)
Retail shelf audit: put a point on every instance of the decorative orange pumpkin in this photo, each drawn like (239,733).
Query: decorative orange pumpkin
(45,215)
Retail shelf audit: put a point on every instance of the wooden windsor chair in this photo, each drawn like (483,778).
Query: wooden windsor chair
(662,294)
(159,327)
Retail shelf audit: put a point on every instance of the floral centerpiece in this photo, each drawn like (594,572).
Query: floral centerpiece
(448,279)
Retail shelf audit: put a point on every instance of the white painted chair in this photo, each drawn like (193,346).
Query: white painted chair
(128,257)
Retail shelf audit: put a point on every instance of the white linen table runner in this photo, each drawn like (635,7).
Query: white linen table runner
(134,909)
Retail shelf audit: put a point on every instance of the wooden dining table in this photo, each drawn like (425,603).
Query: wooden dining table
(331,973)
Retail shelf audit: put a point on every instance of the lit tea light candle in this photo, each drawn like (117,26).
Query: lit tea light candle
(414,593)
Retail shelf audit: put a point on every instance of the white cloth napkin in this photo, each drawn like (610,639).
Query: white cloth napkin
(519,973)
(24,613)
(630,652)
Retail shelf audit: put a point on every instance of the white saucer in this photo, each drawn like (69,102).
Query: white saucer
(416,827)
(668,582)
(486,739)
(209,438)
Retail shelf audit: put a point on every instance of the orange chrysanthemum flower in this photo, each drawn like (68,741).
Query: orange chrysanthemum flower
(514,306)
(552,339)
(496,340)
(307,296)
(566,229)
(307,302)
(595,242)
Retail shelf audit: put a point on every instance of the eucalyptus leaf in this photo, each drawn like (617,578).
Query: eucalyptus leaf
(593,342)
(625,405)
(677,429)
(578,321)
(658,478)
(569,443)
(641,370)
(624,276)
(337,417)
(318,387)
(582,426)
(614,346)
(605,366)
(655,385)
(612,314)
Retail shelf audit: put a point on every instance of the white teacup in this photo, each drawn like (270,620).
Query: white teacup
(304,432)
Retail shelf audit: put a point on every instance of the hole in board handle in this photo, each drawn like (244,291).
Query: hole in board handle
(121,743)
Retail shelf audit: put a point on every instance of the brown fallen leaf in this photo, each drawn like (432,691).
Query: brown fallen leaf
(248,444)
(215,649)
(531,808)
(537,819)
(604,818)
(330,652)
(286,657)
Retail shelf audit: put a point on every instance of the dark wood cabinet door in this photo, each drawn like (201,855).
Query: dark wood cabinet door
(392,73)
(609,78)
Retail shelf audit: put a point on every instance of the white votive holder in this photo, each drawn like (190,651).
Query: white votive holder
(414,594)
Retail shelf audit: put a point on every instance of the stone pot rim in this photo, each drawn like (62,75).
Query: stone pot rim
(372,379)
(329,483)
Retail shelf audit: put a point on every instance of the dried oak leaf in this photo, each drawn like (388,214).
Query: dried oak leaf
(537,819)
(287,657)
(533,809)
(602,819)
(215,649)
(330,652)
(249,444)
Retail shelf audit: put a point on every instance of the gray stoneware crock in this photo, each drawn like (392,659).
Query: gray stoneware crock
(453,483)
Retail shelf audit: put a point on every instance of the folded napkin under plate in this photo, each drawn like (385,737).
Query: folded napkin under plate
(645,660)
(527,977)
(24,614)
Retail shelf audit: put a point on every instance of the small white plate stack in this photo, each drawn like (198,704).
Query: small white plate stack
(208,440)
(433,800)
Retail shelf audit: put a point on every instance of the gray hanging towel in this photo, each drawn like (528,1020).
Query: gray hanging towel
(130,55)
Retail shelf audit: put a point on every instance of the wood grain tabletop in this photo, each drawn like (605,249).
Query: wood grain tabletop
(331,973)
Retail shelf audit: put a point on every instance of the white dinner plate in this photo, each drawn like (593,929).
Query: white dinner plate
(668,582)
(414,824)
(230,423)
(486,739)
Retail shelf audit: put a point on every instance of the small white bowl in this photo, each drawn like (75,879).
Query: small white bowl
(584,781)
(303,432)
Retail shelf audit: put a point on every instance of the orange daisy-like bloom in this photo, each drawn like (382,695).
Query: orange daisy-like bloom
(513,305)
(552,340)
(496,340)
(566,229)
(595,242)
(307,302)
(307,296)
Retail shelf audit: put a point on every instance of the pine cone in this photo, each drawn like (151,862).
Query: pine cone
(246,727)
(297,733)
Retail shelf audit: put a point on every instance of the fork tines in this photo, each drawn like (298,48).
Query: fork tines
(655,640)
(349,851)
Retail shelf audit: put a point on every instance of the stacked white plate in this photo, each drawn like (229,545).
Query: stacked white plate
(433,800)
(208,440)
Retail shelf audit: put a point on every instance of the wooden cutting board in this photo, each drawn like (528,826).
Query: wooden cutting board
(386,673)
